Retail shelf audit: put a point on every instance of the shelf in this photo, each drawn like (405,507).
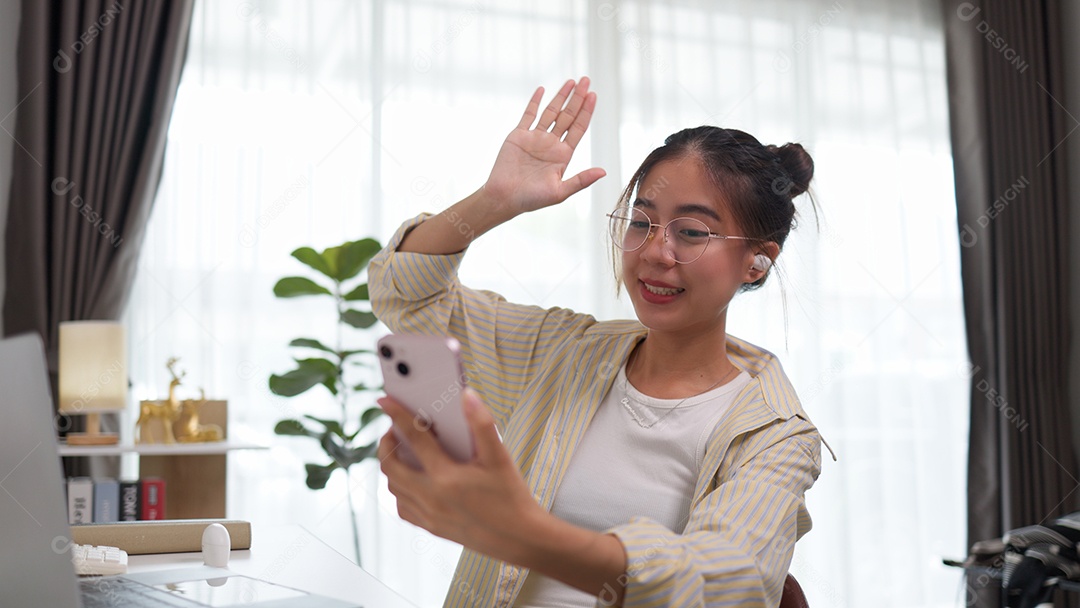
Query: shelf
(158,449)
(195,474)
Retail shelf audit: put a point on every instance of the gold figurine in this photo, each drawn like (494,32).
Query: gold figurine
(189,429)
(157,418)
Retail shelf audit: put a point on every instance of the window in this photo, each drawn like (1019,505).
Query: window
(302,123)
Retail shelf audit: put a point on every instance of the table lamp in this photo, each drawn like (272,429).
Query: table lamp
(93,375)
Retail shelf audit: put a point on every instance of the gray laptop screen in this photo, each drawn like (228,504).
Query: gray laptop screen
(35,565)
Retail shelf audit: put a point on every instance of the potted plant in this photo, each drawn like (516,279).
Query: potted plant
(332,366)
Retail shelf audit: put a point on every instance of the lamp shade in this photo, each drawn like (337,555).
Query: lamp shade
(93,367)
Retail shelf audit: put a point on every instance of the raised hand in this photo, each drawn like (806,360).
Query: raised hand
(528,172)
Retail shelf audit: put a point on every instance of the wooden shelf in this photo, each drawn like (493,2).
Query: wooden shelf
(194,473)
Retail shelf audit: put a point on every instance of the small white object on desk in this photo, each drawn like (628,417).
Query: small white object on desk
(216,546)
(291,556)
(100,560)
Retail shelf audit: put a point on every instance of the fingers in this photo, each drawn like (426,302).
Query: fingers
(552,111)
(581,181)
(530,110)
(486,443)
(570,112)
(416,432)
(408,508)
(411,515)
(402,480)
(389,461)
(577,129)
(567,115)
(387,446)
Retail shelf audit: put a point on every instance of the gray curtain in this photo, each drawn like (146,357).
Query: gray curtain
(97,81)
(1005,82)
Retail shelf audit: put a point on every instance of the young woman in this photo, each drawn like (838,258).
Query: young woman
(657,462)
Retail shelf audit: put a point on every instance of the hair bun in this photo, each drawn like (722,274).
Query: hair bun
(797,163)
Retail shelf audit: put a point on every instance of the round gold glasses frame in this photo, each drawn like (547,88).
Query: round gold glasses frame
(630,228)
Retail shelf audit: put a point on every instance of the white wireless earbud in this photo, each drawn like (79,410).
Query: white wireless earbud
(762,262)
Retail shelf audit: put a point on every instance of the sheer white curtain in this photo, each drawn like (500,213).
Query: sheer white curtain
(311,123)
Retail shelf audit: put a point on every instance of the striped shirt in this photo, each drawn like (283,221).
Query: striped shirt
(543,373)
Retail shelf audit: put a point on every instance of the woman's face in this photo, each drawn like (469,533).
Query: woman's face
(685,298)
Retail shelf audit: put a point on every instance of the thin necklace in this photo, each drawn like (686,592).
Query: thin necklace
(633,413)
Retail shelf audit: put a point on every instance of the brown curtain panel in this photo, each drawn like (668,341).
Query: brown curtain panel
(1005,82)
(97,81)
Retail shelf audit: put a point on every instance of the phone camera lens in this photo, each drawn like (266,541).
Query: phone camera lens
(403,369)
(386,352)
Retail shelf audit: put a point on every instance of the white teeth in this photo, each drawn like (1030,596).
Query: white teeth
(662,291)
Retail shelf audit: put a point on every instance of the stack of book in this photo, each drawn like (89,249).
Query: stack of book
(108,500)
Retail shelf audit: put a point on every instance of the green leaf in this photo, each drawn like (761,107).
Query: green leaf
(334,449)
(292,287)
(318,475)
(359,319)
(311,343)
(292,383)
(371,414)
(332,426)
(293,427)
(348,259)
(346,457)
(355,455)
(345,354)
(360,293)
(309,373)
(313,259)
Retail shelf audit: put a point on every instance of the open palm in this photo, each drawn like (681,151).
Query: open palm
(528,172)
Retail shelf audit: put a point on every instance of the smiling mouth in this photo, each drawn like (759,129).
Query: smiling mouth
(662,291)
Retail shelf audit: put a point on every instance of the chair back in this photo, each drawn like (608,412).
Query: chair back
(793,596)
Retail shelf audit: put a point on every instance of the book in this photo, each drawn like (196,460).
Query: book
(80,500)
(130,499)
(170,536)
(106,500)
(153,498)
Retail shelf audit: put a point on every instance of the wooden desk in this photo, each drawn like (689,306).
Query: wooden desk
(291,556)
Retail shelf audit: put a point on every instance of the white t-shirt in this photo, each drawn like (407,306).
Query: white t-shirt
(640,456)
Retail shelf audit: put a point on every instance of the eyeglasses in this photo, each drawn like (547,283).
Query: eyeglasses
(631,227)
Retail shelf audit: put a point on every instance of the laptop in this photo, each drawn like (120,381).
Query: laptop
(35,553)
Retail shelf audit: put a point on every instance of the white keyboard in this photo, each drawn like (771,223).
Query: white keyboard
(99,560)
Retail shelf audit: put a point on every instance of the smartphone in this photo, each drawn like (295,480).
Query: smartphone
(424,374)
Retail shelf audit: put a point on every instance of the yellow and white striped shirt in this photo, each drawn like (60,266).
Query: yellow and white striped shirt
(543,373)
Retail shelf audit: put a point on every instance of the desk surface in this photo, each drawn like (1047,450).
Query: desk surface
(291,556)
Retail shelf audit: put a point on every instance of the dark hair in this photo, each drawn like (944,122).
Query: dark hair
(759,181)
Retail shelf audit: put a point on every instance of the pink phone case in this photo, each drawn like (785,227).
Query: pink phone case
(424,374)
